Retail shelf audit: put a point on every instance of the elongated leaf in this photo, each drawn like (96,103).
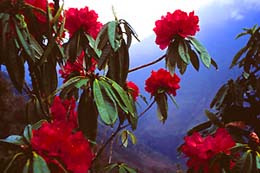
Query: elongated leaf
(102,62)
(87,115)
(257,160)
(183,51)
(49,79)
(27,133)
(111,31)
(124,97)
(214,63)
(244,164)
(132,137)
(26,168)
(12,161)
(122,169)
(219,97)
(107,112)
(14,139)
(204,55)
(39,164)
(128,35)
(130,170)
(124,138)
(162,107)
(73,47)
(194,59)
(38,124)
(238,55)
(14,65)
(172,56)
(102,38)
(212,117)
(109,90)
(200,127)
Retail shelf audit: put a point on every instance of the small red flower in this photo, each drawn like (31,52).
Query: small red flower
(82,18)
(77,67)
(176,23)
(133,89)
(64,111)
(200,150)
(162,81)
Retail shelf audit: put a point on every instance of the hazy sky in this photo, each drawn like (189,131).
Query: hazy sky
(141,14)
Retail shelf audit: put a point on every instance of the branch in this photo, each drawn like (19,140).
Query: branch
(146,65)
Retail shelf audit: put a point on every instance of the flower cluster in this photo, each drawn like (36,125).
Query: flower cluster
(57,141)
(162,81)
(77,67)
(82,18)
(176,23)
(200,150)
(133,89)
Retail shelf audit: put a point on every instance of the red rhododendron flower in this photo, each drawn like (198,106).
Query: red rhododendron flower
(162,81)
(200,150)
(77,67)
(176,23)
(57,141)
(133,89)
(64,111)
(82,18)
(40,4)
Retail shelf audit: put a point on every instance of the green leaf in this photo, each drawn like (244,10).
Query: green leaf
(111,31)
(183,51)
(172,55)
(14,65)
(87,115)
(194,59)
(130,170)
(162,106)
(39,164)
(38,124)
(108,112)
(124,97)
(27,133)
(244,164)
(238,55)
(102,38)
(81,82)
(122,169)
(132,137)
(212,117)
(26,166)
(199,127)
(110,167)
(219,97)
(257,159)
(14,139)
(124,138)
(204,55)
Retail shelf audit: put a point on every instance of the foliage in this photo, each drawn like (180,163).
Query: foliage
(93,60)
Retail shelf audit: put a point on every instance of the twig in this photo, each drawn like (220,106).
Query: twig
(146,65)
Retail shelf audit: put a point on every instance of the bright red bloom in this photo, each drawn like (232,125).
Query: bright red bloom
(133,89)
(82,18)
(57,141)
(77,67)
(176,23)
(64,111)
(200,150)
(162,81)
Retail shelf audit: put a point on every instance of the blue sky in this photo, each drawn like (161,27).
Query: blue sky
(142,16)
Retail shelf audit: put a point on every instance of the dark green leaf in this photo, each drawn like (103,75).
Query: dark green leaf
(49,79)
(39,164)
(12,161)
(238,55)
(204,55)
(128,35)
(244,164)
(257,160)
(26,168)
(132,137)
(87,115)
(14,65)
(111,32)
(104,57)
(212,117)
(214,64)
(183,51)
(122,169)
(172,56)
(38,124)
(130,170)
(110,167)
(107,112)
(200,127)
(219,97)
(73,47)
(194,59)
(102,38)
(14,139)
(162,106)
